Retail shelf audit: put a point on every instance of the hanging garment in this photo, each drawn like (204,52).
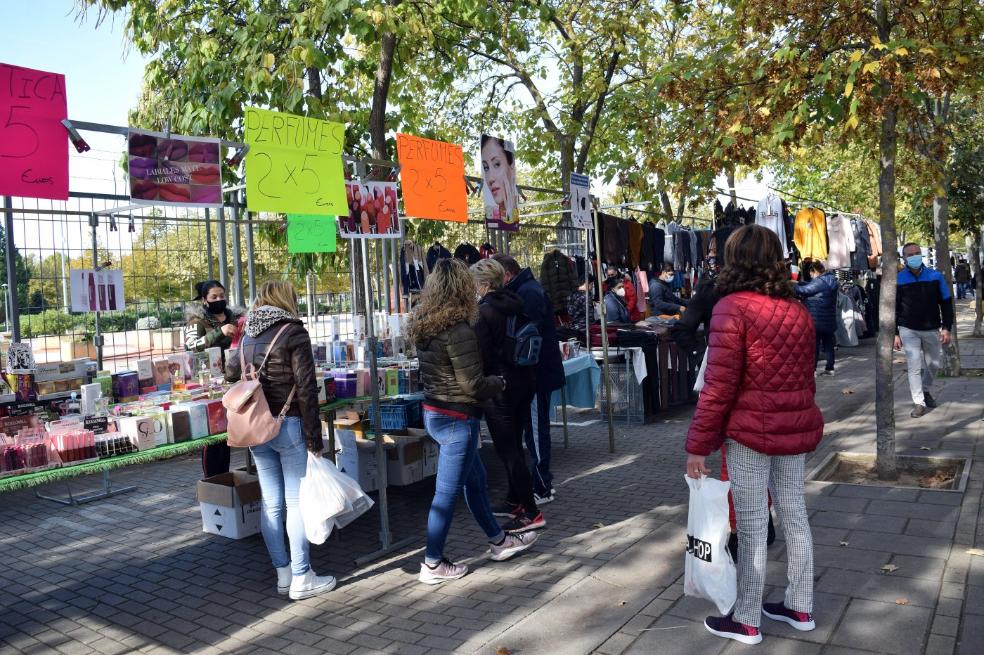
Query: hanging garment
(558,278)
(413,267)
(631,300)
(874,237)
(646,248)
(635,243)
(787,222)
(487,250)
(810,233)
(614,239)
(668,245)
(862,245)
(720,238)
(642,288)
(467,253)
(846,334)
(769,215)
(840,242)
(659,247)
(694,248)
(436,252)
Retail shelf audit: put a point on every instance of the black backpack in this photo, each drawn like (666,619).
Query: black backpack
(523,342)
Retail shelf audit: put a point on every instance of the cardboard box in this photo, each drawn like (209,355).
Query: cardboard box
(126,386)
(91,393)
(139,429)
(162,373)
(145,372)
(54,371)
(178,426)
(405,460)
(357,459)
(392,381)
(215,362)
(230,504)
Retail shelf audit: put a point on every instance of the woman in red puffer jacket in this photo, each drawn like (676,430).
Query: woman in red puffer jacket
(758,396)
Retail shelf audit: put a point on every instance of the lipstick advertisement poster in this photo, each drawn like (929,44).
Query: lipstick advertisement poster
(96,291)
(183,171)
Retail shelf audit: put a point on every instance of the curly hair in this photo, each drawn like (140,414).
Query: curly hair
(448,298)
(754,263)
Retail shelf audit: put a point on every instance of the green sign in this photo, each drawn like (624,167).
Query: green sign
(310,233)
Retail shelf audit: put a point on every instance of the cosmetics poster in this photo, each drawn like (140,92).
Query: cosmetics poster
(497,162)
(33,141)
(181,171)
(372,211)
(96,291)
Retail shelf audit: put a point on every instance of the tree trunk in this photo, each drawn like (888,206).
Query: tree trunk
(664,201)
(566,143)
(886,463)
(975,254)
(314,82)
(941,235)
(731,185)
(380,93)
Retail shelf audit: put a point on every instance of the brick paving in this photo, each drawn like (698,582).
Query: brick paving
(135,573)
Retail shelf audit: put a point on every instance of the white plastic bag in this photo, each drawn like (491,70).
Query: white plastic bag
(699,384)
(327,494)
(709,571)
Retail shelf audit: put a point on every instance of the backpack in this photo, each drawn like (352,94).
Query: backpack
(523,342)
(250,422)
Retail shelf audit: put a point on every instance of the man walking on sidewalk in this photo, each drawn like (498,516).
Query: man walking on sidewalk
(924,318)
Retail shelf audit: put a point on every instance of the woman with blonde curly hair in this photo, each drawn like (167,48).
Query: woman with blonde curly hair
(758,399)
(454,389)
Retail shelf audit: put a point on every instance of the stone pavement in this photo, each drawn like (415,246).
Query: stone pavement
(134,573)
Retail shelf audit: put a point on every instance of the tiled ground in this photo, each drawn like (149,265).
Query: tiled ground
(134,573)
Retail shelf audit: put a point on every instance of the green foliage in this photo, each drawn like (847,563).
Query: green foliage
(53,322)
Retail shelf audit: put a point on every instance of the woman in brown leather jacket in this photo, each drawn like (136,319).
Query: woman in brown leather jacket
(454,389)
(287,378)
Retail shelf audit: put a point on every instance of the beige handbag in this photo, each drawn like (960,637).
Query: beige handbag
(250,422)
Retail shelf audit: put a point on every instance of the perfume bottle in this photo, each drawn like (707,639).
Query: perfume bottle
(111,290)
(102,291)
(92,290)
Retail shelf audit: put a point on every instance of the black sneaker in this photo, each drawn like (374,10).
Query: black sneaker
(917,411)
(727,627)
(507,510)
(525,522)
(930,401)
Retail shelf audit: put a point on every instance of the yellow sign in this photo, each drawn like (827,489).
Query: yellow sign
(294,164)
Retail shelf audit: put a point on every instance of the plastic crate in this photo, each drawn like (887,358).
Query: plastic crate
(398,415)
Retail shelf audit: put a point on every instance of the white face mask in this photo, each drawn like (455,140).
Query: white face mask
(620,293)
(669,277)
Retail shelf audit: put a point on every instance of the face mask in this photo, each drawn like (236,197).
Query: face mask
(669,278)
(620,293)
(913,261)
(217,306)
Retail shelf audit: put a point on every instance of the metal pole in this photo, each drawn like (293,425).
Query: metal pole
(208,243)
(223,271)
(385,537)
(13,316)
(251,257)
(384,271)
(98,338)
(604,345)
(397,277)
(66,295)
(237,250)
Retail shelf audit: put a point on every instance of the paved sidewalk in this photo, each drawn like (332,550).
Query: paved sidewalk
(135,573)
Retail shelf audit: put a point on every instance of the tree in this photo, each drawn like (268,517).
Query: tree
(21,272)
(966,192)
(850,67)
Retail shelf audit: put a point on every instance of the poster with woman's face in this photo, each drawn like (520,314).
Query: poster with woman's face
(499,192)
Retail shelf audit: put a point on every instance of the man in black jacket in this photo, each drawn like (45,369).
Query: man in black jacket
(549,373)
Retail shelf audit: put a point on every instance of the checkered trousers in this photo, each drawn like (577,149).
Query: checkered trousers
(751,473)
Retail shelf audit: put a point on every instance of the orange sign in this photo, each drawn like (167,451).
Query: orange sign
(432,174)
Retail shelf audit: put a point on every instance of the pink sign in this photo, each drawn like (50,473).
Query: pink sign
(33,142)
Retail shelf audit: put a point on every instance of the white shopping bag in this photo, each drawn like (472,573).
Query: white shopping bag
(709,571)
(699,383)
(326,495)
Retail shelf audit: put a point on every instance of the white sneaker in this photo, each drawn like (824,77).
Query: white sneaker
(549,497)
(310,584)
(444,571)
(513,545)
(283,580)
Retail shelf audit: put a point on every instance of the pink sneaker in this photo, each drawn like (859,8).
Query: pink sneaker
(800,620)
(727,627)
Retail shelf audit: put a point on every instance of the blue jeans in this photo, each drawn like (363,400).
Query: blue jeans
(280,465)
(537,436)
(458,466)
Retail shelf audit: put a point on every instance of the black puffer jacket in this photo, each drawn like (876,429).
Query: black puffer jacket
(451,371)
(290,363)
(493,312)
(203,330)
(558,278)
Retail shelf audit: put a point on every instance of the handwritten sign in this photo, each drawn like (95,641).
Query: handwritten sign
(33,142)
(433,177)
(294,164)
(310,233)
(183,171)
(372,211)
(581,201)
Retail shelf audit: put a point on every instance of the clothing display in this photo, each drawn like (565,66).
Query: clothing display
(846,333)
(558,276)
(414,267)
(874,238)
(862,244)
(436,252)
(646,247)
(840,241)
(635,243)
(642,291)
(770,214)
(810,233)
(467,253)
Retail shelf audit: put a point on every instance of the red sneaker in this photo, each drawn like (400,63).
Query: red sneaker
(727,627)
(800,620)
(525,522)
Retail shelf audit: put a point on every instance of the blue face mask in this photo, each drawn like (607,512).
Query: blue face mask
(914,261)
